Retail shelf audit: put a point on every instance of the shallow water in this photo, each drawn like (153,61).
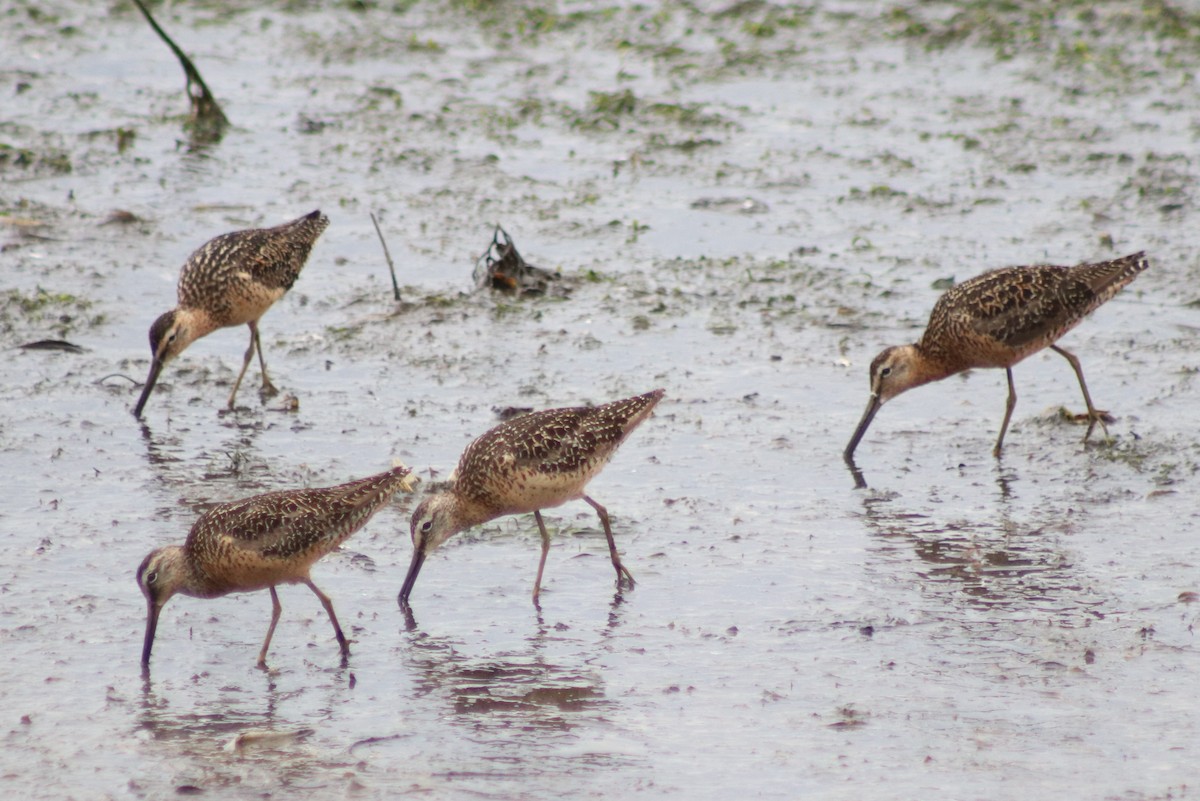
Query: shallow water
(964,626)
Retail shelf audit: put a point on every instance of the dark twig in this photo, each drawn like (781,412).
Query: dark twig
(130,379)
(207,118)
(388,256)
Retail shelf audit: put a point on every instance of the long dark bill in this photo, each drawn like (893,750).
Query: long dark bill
(156,367)
(152,610)
(872,407)
(414,568)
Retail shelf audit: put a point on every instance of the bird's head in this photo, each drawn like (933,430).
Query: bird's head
(162,574)
(433,523)
(893,371)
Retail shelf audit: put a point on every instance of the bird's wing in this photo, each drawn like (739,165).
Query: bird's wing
(287,522)
(535,447)
(1016,307)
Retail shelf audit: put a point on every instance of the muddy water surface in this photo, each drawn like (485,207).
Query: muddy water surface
(746,202)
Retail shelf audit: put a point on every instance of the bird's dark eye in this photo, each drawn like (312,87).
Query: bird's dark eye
(885,372)
(151,577)
(426,526)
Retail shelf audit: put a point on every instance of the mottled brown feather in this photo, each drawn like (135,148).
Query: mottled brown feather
(561,448)
(995,320)
(1000,317)
(533,462)
(235,277)
(259,542)
(276,537)
(232,280)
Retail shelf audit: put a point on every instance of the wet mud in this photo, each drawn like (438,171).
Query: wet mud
(744,202)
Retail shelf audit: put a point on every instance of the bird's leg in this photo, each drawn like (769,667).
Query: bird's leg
(268,388)
(1094,415)
(245,363)
(276,609)
(328,604)
(1008,409)
(537,584)
(612,545)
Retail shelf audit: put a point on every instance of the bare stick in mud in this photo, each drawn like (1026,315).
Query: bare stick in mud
(206,116)
(388,256)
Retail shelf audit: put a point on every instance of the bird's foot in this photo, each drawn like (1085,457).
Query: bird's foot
(1097,416)
(1091,418)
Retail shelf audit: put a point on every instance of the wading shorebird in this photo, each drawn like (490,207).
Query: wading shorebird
(996,320)
(259,542)
(533,462)
(232,280)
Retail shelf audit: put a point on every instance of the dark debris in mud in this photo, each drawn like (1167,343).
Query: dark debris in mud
(52,344)
(502,267)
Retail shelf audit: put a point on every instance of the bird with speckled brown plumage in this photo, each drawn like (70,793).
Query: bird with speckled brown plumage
(232,280)
(533,462)
(263,541)
(996,320)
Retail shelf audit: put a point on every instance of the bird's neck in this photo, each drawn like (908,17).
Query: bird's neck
(192,324)
(469,513)
(189,579)
(463,513)
(932,363)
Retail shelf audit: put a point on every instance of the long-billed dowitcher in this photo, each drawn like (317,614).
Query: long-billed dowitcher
(232,280)
(533,462)
(996,320)
(259,542)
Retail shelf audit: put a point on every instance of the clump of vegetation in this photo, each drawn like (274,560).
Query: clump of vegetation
(609,111)
(523,20)
(1080,33)
(51,161)
(605,109)
(44,311)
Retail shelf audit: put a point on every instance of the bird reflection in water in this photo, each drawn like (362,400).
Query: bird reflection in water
(986,553)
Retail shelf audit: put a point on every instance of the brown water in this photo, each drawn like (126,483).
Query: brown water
(770,204)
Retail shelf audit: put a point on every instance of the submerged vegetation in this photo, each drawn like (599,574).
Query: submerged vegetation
(1078,34)
(44,312)
(28,161)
